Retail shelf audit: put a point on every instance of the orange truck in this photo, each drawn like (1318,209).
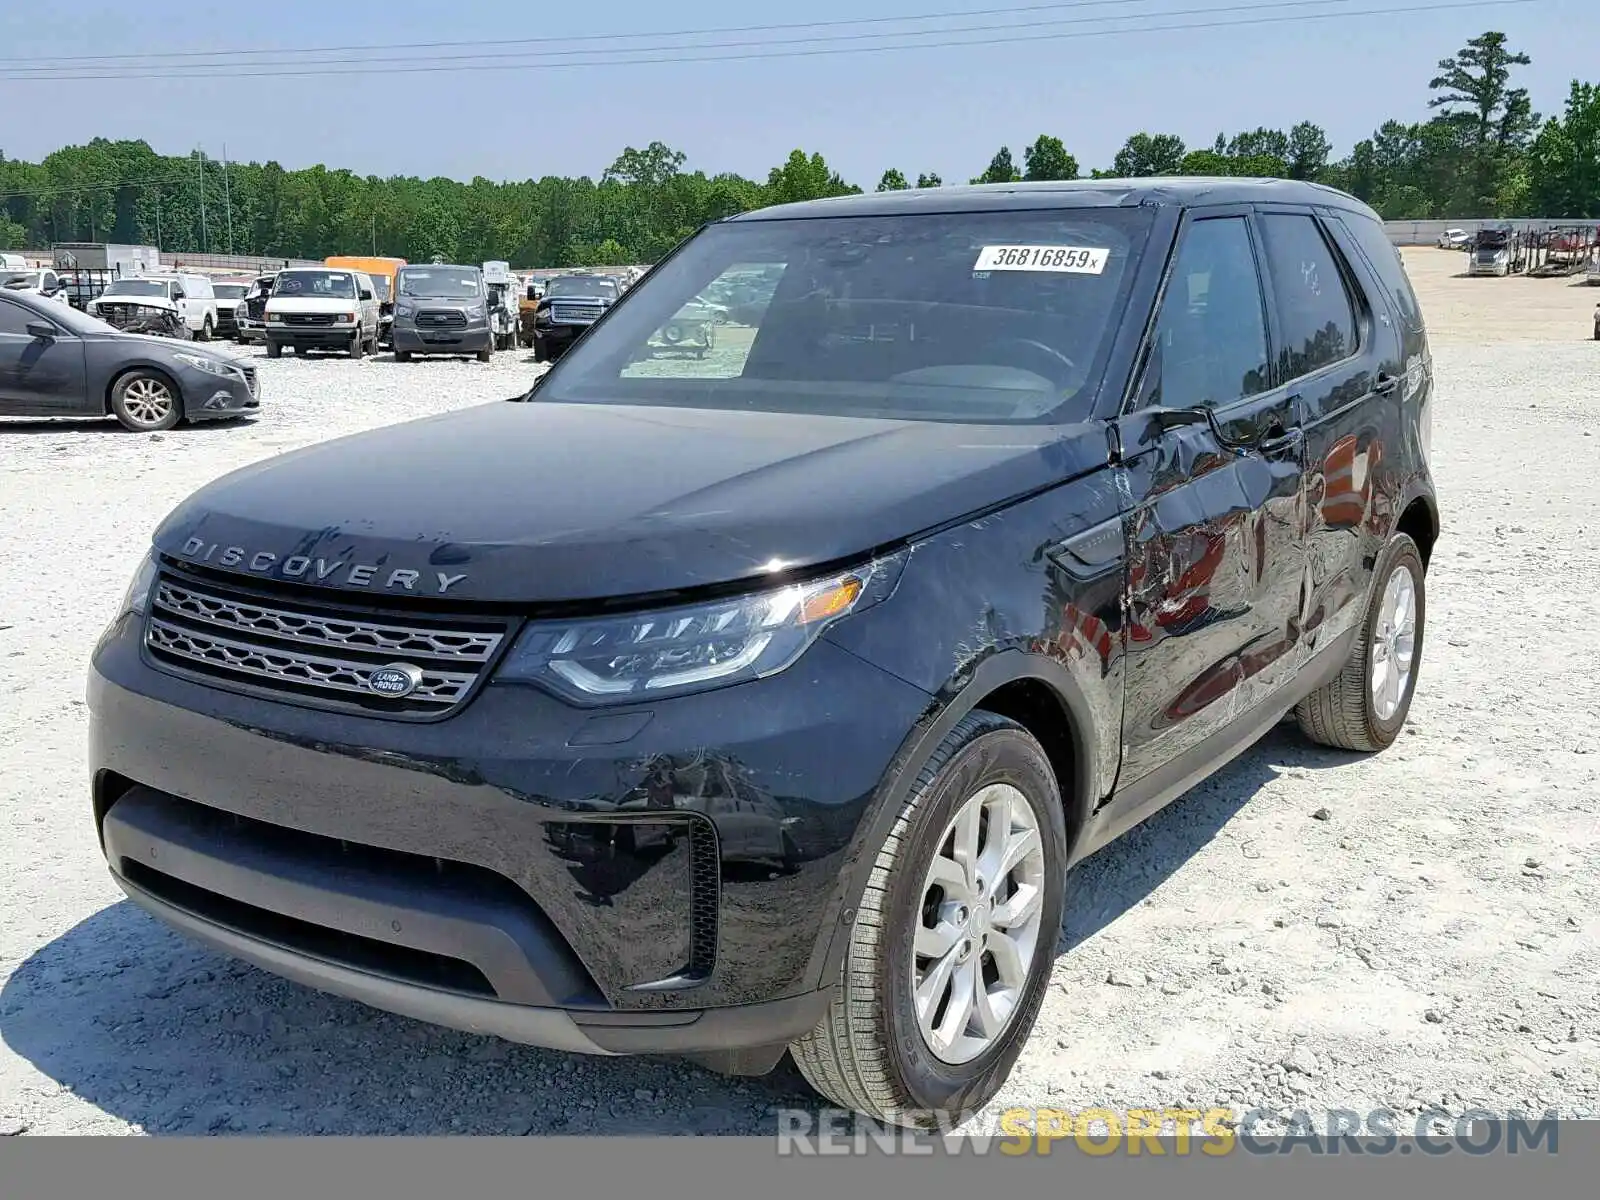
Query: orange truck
(383,272)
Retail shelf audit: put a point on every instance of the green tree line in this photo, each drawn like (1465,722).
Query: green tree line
(1483,152)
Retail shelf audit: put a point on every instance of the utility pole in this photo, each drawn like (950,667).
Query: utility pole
(374,235)
(200,163)
(158,219)
(227,196)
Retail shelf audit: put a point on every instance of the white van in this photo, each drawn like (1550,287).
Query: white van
(189,296)
(322,308)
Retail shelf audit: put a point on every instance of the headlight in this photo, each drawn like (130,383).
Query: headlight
(278,317)
(402,309)
(209,365)
(343,318)
(137,598)
(475,310)
(668,652)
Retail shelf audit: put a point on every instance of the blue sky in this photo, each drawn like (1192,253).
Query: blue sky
(943,109)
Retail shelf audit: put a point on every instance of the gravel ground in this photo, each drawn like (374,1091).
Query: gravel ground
(1306,930)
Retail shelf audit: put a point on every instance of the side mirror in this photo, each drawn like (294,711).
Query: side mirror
(180,296)
(42,331)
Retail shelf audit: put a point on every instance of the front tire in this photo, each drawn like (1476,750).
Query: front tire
(402,356)
(945,969)
(274,349)
(1365,706)
(146,402)
(358,344)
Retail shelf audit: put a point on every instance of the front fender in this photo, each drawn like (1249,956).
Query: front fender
(989,603)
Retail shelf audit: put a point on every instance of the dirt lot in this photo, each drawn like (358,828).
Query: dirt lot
(1306,930)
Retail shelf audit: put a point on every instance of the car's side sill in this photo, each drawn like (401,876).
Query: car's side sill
(1145,797)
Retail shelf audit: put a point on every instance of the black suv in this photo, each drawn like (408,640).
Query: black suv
(570,304)
(718,706)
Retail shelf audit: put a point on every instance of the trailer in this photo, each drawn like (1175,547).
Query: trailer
(127,260)
(84,284)
(1561,250)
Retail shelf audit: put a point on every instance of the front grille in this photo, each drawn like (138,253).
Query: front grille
(568,313)
(315,654)
(252,381)
(442,319)
(121,314)
(308,318)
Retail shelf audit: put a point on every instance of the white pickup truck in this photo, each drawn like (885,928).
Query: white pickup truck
(37,281)
(190,297)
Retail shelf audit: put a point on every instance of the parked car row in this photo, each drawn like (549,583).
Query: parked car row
(358,306)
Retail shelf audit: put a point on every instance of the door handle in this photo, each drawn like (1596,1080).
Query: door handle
(1386,384)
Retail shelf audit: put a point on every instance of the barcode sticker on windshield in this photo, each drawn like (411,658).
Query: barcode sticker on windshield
(1080,260)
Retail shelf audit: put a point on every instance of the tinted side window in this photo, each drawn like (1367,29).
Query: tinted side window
(1212,332)
(14,318)
(1314,309)
(1369,235)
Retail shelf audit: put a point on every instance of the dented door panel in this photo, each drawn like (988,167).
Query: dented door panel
(1215,555)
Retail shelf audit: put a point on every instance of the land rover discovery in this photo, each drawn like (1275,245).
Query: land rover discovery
(721,706)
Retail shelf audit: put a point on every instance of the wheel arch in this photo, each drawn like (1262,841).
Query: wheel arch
(1419,520)
(1037,693)
(127,369)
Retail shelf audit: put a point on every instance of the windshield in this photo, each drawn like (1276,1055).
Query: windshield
(137,287)
(380,288)
(582,285)
(339,285)
(980,317)
(231,291)
(441,283)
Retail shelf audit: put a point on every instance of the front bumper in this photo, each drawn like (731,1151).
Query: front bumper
(468,340)
(522,868)
(216,397)
(327,337)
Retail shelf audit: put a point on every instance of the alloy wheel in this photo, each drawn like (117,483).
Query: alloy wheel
(148,401)
(979,931)
(1393,644)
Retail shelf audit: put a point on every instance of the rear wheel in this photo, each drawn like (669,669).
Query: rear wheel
(1364,707)
(146,402)
(951,948)
(402,356)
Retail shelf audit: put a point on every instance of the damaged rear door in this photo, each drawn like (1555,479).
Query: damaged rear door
(1213,465)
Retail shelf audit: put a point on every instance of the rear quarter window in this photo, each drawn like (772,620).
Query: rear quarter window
(1384,258)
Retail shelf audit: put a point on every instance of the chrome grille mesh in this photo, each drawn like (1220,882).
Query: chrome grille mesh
(314,655)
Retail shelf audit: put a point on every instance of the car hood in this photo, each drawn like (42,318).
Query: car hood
(543,502)
(169,345)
